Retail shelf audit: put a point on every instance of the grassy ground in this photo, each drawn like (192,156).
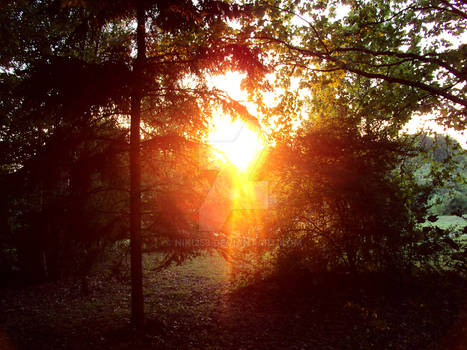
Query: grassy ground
(194,306)
(447,221)
(451,222)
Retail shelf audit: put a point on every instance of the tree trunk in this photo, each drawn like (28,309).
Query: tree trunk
(137,302)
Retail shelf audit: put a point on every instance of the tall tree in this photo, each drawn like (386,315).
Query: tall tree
(137,302)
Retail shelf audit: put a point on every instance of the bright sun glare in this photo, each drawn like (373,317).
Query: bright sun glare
(235,142)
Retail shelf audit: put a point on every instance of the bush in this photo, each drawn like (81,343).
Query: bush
(342,198)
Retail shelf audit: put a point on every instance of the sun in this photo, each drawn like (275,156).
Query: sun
(235,142)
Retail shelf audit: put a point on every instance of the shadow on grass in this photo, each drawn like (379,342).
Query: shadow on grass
(188,308)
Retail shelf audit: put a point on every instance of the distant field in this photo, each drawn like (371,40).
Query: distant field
(446,221)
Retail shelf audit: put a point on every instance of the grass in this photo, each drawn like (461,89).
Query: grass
(195,306)
(453,222)
(447,221)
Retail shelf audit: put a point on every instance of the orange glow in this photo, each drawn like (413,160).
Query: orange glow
(236,203)
(235,142)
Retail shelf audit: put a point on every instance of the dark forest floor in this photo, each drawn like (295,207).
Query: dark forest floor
(193,307)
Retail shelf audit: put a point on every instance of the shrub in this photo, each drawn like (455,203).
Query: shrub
(343,199)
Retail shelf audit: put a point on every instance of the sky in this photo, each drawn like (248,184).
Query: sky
(426,122)
(230,83)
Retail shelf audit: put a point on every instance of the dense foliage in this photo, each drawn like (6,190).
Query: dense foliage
(349,203)
(443,162)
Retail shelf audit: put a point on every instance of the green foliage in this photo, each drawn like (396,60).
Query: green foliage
(440,250)
(441,163)
(396,57)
